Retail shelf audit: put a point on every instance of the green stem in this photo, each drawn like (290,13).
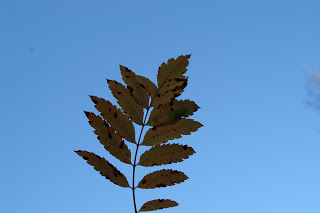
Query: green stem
(135,163)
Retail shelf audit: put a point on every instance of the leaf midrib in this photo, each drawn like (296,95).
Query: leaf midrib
(165,81)
(168,131)
(114,143)
(125,94)
(167,153)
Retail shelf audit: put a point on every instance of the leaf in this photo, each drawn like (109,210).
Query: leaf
(111,141)
(158,204)
(170,74)
(172,112)
(165,154)
(137,90)
(116,118)
(171,82)
(126,101)
(158,135)
(162,178)
(166,97)
(149,85)
(104,167)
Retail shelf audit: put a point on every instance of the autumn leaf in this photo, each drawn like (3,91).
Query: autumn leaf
(162,178)
(168,121)
(126,101)
(158,135)
(171,112)
(170,74)
(138,91)
(111,141)
(104,167)
(116,118)
(158,204)
(165,154)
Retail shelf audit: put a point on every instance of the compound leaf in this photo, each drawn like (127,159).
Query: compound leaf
(105,168)
(170,74)
(162,178)
(158,204)
(111,141)
(126,101)
(137,90)
(116,118)
(165,154)
(158,135)
(172,112)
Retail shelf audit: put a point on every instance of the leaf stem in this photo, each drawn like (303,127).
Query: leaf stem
(135,162)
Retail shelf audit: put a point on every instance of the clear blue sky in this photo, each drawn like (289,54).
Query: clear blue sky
(258,151)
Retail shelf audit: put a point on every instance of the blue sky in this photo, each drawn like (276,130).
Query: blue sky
(258,151)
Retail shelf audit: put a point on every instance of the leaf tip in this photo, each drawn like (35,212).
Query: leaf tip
(78,151)
(94,99)
(86,112)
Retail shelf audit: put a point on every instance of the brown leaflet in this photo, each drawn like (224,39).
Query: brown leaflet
(146,83)
(104,167)
(171,112)
(160,98)
(166,97)
(126,101)
(137,90)
(170,74)
(111,141)
(158,204)
(158,135)
(165,154)
(162,178)
(116,118)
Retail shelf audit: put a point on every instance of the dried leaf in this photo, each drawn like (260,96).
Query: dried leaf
(137,90)
(162,178)
(109,139)
(172,112)
(116,118)
(158,204)
(104,167)
(165,154)
(158,135)
(126,101)
(170,74)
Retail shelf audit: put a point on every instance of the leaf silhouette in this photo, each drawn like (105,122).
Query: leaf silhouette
(158,204)
(126,101)
(158,135)
(111,141)
(168,121)
(137,90)
(170,74)
(165,154)
(116,118)
(172,112)
(162,178)
(104,167)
